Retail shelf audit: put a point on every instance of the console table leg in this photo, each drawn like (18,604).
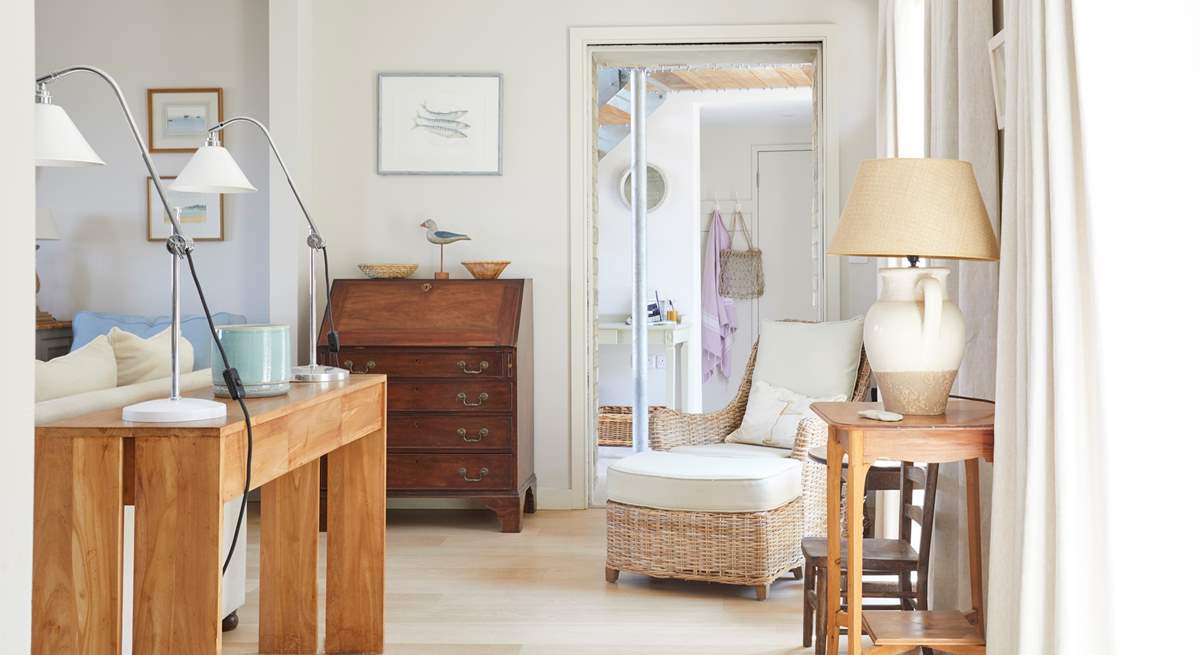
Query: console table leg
(77,545)
(177,546)
(833,531)
(356,522)
(288,562)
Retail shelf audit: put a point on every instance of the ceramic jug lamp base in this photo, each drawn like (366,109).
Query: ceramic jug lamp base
(917,393)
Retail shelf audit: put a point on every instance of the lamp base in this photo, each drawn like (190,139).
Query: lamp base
(317,373)
(916,393)
(165,410)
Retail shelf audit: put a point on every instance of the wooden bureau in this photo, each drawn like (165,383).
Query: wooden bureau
(459,359)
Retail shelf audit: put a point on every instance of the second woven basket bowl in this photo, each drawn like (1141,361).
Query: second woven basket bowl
(488,270)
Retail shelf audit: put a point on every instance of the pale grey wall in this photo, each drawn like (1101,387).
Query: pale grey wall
(104,261)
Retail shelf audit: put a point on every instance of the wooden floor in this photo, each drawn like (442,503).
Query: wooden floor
(457,585)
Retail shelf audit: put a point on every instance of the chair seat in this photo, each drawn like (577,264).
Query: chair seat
(878,554)
(698,483)
(732,450)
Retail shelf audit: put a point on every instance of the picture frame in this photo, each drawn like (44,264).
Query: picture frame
(179,118)
(195,219)
(439,124)
(996,59)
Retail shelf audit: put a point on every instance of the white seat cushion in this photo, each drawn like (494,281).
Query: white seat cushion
(818,360)
(698,483)
(732,450)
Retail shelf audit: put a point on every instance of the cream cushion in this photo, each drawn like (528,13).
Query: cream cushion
(93,401)
(732,450)
(773,414)
(698,483)
(142,360)
(86,369)
(818,360)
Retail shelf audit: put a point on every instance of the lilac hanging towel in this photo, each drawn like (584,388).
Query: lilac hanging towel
(718,323)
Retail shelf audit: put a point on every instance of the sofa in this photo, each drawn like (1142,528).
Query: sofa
(89,353)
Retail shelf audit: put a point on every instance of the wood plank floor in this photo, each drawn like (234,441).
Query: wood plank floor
(457,585)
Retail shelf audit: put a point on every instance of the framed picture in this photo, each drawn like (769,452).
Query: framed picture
(201,215)
(439,124)
(180,118)
(996,54)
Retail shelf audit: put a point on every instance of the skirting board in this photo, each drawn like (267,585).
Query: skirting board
(548,499)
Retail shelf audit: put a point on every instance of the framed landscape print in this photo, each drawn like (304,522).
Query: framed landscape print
(180,118)
(439,124)
(201,215)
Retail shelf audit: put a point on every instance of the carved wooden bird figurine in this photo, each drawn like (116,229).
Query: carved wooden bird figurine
(441,237)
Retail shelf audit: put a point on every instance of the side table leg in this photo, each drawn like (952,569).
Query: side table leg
(356,522)
(974,551)
(177,546)
(77,545)
(855,480)
(287,621)
(833,532)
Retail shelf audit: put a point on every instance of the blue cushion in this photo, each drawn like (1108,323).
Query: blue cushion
(89,325)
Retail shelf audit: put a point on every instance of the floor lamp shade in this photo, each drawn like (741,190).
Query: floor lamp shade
(212,170)
(913,334)
(56,140)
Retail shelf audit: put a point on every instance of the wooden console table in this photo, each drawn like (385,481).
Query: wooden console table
(178,476)
(964,432)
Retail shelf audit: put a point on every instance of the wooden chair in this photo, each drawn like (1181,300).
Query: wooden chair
(881,557)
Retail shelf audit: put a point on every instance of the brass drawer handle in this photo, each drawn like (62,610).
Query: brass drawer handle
(426,287)
(462,432)
(462,366)
(482,474)
(350,366)
(462,397)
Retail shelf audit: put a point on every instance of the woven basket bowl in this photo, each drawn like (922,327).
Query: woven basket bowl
(387,271)
(486,270)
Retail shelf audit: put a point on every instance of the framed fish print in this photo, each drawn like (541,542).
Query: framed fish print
(439,124)
(201,215)
(180,118)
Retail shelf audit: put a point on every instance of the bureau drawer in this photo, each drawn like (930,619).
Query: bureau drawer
(411,472)
(462,432)
(462,364)
(451,396)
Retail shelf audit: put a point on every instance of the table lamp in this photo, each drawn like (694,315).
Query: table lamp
(57,142)
(913,208)
(44,230)
(213,170)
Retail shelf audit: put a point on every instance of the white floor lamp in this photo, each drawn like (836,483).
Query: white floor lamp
(57,142)
(213,170)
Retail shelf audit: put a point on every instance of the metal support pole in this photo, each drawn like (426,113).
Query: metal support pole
(176,320)
(641,350)
(312,307)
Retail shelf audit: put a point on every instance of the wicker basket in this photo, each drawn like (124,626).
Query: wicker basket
(387,271)
(614,425)
(486,270)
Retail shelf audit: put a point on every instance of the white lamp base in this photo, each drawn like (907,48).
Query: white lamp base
(165,410)
(317,373)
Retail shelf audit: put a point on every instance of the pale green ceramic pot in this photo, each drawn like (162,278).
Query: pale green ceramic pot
(261,353)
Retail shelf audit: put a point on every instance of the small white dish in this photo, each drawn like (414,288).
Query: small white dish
(881,415)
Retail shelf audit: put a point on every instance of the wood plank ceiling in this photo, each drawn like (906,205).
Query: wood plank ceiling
(712,79)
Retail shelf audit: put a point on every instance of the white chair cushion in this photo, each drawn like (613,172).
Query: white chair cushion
(732,450)
(698,483)
(89,368)
(143,360)
(773,416)
(817,360)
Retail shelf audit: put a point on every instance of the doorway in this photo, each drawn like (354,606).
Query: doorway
(593,312)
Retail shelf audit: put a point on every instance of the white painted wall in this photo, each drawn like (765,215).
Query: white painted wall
(104,261)
(521,215)
(16,296)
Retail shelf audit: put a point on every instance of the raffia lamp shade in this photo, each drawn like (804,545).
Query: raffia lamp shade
(915,207)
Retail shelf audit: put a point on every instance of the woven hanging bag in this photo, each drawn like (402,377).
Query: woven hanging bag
(741,270)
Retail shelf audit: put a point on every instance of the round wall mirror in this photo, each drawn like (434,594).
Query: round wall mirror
(656,187)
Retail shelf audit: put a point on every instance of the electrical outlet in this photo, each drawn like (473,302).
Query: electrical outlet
(660,361)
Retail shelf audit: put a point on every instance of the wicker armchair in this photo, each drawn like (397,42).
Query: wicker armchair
(747,548)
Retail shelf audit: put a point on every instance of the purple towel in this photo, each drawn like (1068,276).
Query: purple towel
(718,322)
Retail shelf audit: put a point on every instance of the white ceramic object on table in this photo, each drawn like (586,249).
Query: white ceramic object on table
(914,338)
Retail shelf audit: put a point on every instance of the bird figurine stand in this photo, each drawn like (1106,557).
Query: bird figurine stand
(440,238)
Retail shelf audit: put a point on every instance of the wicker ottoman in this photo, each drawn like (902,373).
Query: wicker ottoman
(729,520)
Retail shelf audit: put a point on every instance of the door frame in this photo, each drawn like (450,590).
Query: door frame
(583,165)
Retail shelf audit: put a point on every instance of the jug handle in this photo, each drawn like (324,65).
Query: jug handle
(931,321)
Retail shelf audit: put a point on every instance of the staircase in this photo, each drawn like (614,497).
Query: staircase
(614,100)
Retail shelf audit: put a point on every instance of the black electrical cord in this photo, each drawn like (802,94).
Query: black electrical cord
(335,345)
(234,383)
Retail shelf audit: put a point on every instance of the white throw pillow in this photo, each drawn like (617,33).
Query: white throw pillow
(818,360)
(142,360)
(89,368)
(773,416)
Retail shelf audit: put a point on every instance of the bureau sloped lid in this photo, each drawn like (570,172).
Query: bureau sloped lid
(426,312)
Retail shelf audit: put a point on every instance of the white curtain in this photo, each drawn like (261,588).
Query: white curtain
(961,124)
(1097,353)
